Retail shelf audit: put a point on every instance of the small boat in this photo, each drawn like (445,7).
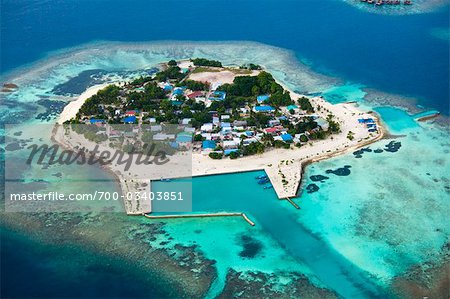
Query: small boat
(268,187)
(263,176)
(166,180)
(263,181)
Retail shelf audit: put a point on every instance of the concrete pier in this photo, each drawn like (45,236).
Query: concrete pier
(201,216)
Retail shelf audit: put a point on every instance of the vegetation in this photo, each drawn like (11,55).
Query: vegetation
(215,155)
(251,86)
(351,135)
(172,63)
(305,105)
(206,62)
(107,95)
(253,148)
(171,73)
(195,85)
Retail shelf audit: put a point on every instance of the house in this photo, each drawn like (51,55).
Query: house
(218,96)
(152,120)
(186,121)
(264,109)
(131,112)
(274,122)
(292,107)
(322,123)
(272,131)
(240,123)
(244,112)
(287,137)
(189,129)
(129,119)
(262,98)
(208,127)
(96,121)
(167,87)
(196,94)
(229,151)
(184,139)
(230,144)
(215,120)
(177,91)
(208,145)
(224,117)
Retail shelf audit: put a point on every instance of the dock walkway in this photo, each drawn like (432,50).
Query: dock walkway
(201,216)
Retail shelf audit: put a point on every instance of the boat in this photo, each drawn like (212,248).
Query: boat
(166,180)
(263,181)
(268,187)
(263,176)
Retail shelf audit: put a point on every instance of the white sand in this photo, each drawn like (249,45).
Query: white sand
(71,109)
(222,77)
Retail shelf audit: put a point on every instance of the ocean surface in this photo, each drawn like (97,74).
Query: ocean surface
(396,54)
(390,217)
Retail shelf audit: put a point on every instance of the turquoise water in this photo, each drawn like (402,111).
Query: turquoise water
(278,219)
(391,216)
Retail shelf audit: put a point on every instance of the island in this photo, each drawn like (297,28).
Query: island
(228,118)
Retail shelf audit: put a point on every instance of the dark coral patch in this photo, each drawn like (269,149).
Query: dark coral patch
(344,171)
(251,247)
(318,178)
(393,146)
(311,188)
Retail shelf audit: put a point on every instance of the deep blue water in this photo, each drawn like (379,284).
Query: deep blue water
(31,269)
(391,53)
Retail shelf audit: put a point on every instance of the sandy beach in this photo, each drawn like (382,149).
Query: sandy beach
(71,110)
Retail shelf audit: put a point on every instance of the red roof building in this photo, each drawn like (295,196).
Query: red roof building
(196,94)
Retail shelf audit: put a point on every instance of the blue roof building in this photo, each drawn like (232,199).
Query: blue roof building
(262,98)
(95,121)
(292,107)
(229,151)
(129,119)
(264,109)
(178,91)
(184,137)
(218,96)
(208,144)
(287,137)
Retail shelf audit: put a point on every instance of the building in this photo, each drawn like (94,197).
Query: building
(322,123)
(293,108)
(196,94)
(287,137)
(129,119)
(218,96)
(264,109)
(262,98)
(208,127)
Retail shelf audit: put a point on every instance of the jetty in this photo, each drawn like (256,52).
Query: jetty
(205,215)
(293,203)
